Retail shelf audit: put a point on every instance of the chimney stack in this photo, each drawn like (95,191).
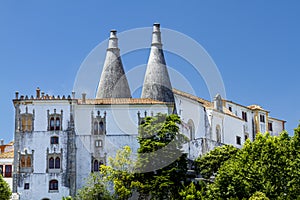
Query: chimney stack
(113,82)
(157,84)
(38,93)
(83,98)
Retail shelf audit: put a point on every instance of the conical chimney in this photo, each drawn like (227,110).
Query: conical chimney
(157,84)
(113,82)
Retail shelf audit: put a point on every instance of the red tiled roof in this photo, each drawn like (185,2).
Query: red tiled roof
(9,154)
(120,101)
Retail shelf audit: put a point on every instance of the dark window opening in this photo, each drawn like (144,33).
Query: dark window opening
(51,163)
(262,118)
(57,125)
(8,171)
(52,125)
(244,116)
(54,140)
(26,186)
(96,166)
(270,125)
(53,185)
(238,140)
(57,163)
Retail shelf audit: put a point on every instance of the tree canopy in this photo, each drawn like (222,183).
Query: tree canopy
(161,162)
(5,191)
(269,164)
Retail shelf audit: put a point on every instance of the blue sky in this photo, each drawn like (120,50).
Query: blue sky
(255,45)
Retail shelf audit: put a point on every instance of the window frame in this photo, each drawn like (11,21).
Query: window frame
(54,140)
(53,185)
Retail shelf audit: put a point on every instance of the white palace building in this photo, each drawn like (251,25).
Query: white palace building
(59,141)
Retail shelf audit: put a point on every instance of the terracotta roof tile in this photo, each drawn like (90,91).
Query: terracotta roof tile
(9,154)
(206,103)
(121,101)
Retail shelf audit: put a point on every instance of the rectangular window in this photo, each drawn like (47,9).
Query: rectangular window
(262,118)
(270,125)
(54,140)
(26,186)
(230,108)
(244,116)
(246,137)
(8,171)
(98,143)
(238,140)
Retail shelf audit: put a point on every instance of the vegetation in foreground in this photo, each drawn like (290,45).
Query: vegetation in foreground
(267,168)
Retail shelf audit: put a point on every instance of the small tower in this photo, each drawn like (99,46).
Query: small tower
(113,82)
(157,84)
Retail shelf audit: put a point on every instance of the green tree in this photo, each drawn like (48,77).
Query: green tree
(209,164)
(95,189)
(193,192)
(120,173)
(161,162)
(5,191)
(259,196)
(268,164)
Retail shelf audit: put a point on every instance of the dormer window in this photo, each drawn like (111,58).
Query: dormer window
(55,121)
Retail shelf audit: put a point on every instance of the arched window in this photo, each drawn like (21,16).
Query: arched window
(98,124)
(54,120)
(57,124)
(96,128)
(218,133)
(23,162)
(191,129)
(96,166)
(53,185)
(26,121)
(57,163)
(28,163)
(52,125)
(51,163)
(101,127)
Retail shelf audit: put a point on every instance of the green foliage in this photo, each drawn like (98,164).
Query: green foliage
(210,163)
(162,163)
(5,191)
(269,164)
(95,189)
(259,196)
(193,192)
(120,173)
(67,198)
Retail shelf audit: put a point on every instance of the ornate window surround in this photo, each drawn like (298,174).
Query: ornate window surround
(26,121)
(98,124)
(54,120)
(26,161)
(56,157)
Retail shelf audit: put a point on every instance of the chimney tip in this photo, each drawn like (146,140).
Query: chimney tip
(113,33)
